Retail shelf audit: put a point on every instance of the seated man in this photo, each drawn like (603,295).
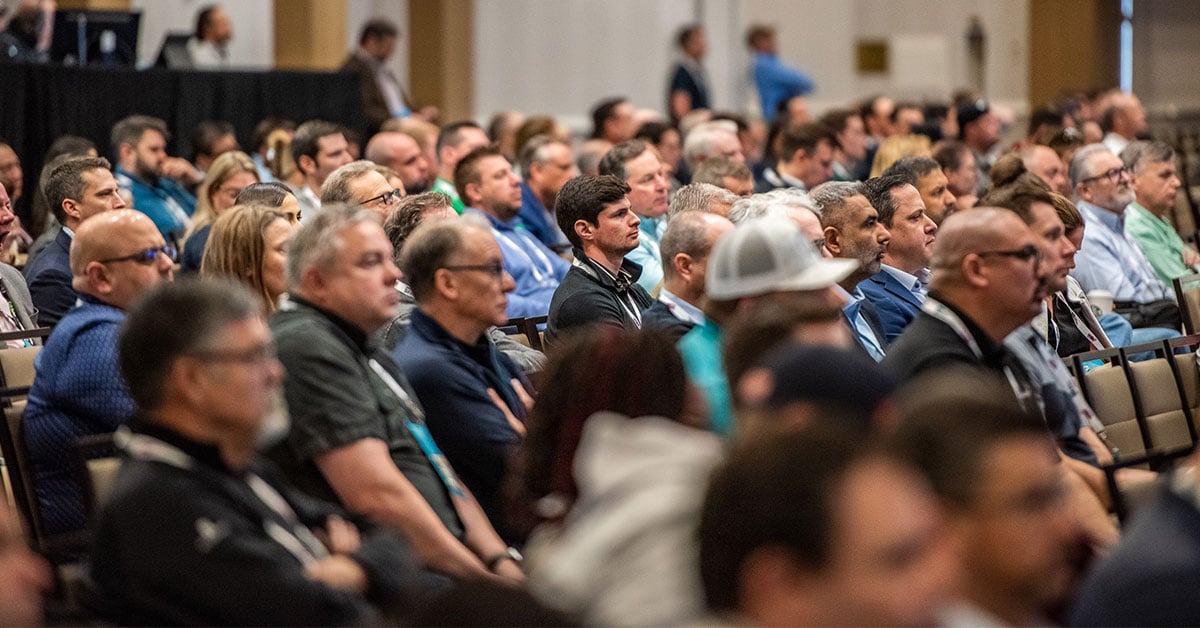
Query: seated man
(156,181)
(685,247)
(790,535)
(636,163)
(358,433)
(601,287)
(358,183)
(75,190)
(898,289)
(199,529)
(474,396)
(491,190)
(78,391)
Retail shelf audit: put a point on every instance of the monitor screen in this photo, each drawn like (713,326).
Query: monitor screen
(96,37)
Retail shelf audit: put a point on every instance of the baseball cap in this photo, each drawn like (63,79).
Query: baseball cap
(829,376)
(769,255)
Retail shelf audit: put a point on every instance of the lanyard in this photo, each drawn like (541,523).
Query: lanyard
(627,303)
(944,314)
(299,541)
(1079,322)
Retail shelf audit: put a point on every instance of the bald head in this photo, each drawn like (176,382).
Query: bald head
(401,153)
(107,260)
(980,229)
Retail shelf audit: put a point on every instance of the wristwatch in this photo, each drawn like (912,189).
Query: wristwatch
(509,553)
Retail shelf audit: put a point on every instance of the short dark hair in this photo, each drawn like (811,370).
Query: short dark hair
(583,198)
(206,133)
(614,160)
(263,129)
(1044,115)
(756,33)
(604,110)
(69,145)
(1019,196)
(405,218)
(912,169)
(685,33)
(836,119)
(129,130)
(65,181)
(172,320)
(879,193)
(266,193)
(305,141)
(949,153)
(467,170)
(377,28)
(450,135)
(653,131)
(804,137)
(948,422)
(776,491)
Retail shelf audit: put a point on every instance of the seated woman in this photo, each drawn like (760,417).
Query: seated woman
(274,195)
(229,175)
(249,244)
(612,473)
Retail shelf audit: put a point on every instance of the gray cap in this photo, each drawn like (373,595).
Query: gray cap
(769,255)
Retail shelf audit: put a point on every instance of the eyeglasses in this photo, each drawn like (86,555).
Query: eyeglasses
(1025,253)
(495,269)
(389,197)
(252,356)
(1113,174)
(146,257)
(819,243)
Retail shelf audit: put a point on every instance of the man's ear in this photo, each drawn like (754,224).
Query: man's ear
(683,265)
(98,278)
(445,284)
(71,208)
(306,164)
(833,240)
(585,230)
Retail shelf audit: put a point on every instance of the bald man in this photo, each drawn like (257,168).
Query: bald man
(985,284)
(116,256)
(402,154)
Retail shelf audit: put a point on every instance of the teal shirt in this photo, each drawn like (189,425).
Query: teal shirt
(701,351)
(447,188)
(1159,242)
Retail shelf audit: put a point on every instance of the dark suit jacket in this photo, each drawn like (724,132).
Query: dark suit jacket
(49,280)
(374,104)
(895,304)
(1152,577)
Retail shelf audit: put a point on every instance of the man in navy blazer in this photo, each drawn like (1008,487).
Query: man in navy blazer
(898,289)
(76,189)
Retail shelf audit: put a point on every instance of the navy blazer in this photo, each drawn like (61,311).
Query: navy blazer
(49,280)
(895,304)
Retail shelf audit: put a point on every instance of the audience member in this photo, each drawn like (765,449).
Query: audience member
(602,285)
(263,152)
(686,245)
(116,257)
(897,147)
(962,176)
(359,183)
(455,141)
(899,288)
(701,197)
(668,143)
(16,303)
(1124,121)
(249,245)
(227,176)
(199,528)
(707,140)
(502,131)
(42,222)
(401,153)
(637,164)
(1151,167)
(979,130)
(795,528)
(804,158)
(1045,163)
(319,148)
(153,178)
(275,195)
(546,164)
(208,47)
(927,176)
(474,396)
(358,434)
(76,189)
(850,154)
(613,121)
(211,139)
(725,173)
(615,477)
(492,192)
(790,203)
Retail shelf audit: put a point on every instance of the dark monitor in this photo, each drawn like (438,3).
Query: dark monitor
(96,37)
(174,52)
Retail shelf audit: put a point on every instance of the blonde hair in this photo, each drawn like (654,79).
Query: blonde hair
(896,147)
(223,168)
(236,248)
(280,160)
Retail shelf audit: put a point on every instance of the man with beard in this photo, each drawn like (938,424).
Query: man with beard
(853,231)
(402,154)
(156,181)
(931,182)
(1156,186)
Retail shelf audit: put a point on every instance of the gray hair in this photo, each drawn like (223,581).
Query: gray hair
(1139,154)
(770,204)
(316,244)
(685,234)
(702,138)
(431,247)
(129,131)
(536,151)
(699,197)
(1077,171)
(336,188)
(829,199)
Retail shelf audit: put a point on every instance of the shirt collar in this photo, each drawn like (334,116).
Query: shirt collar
(360,337)
(1113,220)
(679,306)
(205,453)
(911,282)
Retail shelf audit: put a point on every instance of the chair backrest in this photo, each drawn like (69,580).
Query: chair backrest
(96,466)
(16,463)
(1187,292)
(525,331)
(1108,390)
(1158,398)
(16,366)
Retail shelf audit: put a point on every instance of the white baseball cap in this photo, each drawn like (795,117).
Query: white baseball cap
(769,255)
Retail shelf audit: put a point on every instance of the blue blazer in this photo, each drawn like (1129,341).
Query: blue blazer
(895,304)
(49,280)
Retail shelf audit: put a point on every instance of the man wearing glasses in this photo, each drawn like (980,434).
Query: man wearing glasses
(1109,258)
(115,258)
(474,396)
(492,191)
(359,183)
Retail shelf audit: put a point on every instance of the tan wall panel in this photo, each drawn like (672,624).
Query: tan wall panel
(310,34)
(441,39)
(96,5)
(1073,44)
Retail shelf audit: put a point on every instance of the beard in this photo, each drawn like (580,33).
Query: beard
(275,424)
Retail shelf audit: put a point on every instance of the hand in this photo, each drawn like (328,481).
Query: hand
(513,421)
(1190,257)
(340,536)
(510,570)
(181,170)
(339,572)
(526,400)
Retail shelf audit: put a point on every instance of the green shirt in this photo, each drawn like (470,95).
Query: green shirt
(447,188)
(1159,242)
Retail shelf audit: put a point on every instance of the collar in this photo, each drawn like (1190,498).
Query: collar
(630,270)
(851,298)
(988,347)
(912,283)
(1137,208)
(94,300)
(530,198)
(497,224)
(203,453)
(650,227)
(120,171)
(680,308)
(361,338)
(67,230)
(429,327)
(787,179)
(1114,221)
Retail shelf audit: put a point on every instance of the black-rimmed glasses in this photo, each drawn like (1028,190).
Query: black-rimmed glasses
(388,198)
(146,257)
(1113,175)
(1025,253)
(495,269)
